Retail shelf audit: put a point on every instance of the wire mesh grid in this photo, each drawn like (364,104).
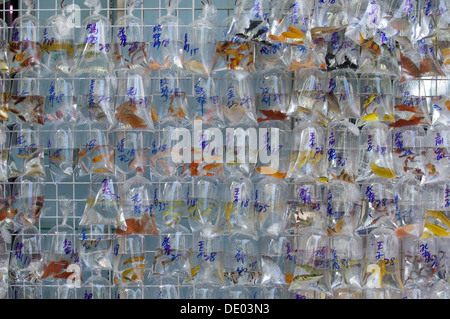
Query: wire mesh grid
(77,191)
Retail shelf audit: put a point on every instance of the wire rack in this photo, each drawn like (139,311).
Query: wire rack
(101,283)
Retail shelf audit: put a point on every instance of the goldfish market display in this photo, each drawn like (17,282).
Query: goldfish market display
(249,149)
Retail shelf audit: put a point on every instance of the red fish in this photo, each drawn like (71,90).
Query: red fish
(125,114)
(409,66)
(407,108)
(414,120)
(272,115)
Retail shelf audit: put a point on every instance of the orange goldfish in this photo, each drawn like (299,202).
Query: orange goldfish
(272,115)
(414,120)
(125,114)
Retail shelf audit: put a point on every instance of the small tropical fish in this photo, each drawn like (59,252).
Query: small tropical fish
(179,114)
(155,117)
(389,118)
(409,66)
(333,102)
(414,120)
(288,278)
(369,44)
(431,169)
(435,230)
(98,158)
(439,215)
(382,171)
(321,31)
(400,24)
(296,65)
(372,117)
(229,207)
(272,115)
(322,180)
(125,113)
(429,65)
(134,260)
(408,108)
(369,100)
(195,270)
(270,171)
(137,273)
(55,269)
(344,176)
(405,230)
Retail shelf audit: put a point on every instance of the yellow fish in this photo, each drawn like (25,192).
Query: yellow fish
(438,215)
(372,117)
(382,171)
(369,100)
(435,230)
(195,270)
(228,210)
(388,117)
(304,157)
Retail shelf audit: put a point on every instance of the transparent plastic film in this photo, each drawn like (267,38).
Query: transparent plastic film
(436,220)
(436,148)
(61,102)
(207,264)
(96,252)
(131,151)
(128,260)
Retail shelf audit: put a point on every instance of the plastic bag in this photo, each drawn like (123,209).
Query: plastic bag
(96,251)
(95,152)
(138,203)
(309,95)
(26,264)
(342,95)
(5,205)
(277,260)
(408,151)
(58,48)
(342,52)
(207,261)
(343,208)
(272,98)
(94,54)
(342,151)
(205,102)
(162,287)
(401,18)
(375,154)
(166,43)
(4,152)
(237,212)
(96,98)
(203,205)
(436,215)
(4,45)
(132,102)
(27,200)
(129,260)
(429,64)
(410,101)
(308,152)
(312,269)
(241,260)
(306,205)
(329,17)
(60,250)
(96,287)
(375,92)
(164,157)
(409,205)
(200,42)
(103,205)
(24,43)
(382,261)
(5,257)
(274,143)
(27,152)
(61,151)
(440,113)
(238,103)
(60,101)
(5,84)
(169,208)
(270,206)
(129,47)
(436,148)
(26,100)
(347,257)
(169,95)
(131,151)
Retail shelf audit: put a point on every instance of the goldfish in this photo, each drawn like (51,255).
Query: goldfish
(55,269)
(269,171)
(407,108)
(136,273)
(100,157)
(272,115)
(370,117)
(125,113)
(155,117)
(288,278)
(409,66)
(143,226)
(429,65)
(296,65)
(179,114)
(431,169)
(414,120)
(405,230)
(382,171)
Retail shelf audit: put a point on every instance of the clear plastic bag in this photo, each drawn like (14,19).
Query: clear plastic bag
(5,84)
(27,200)
(60,101)
(162,287)
(342,95)
(308,152)
(103,205)
(375,161)
(436,148)
(238,103)
(203,205)
(436,215)
(93,52)
(129,260)
(131,151)
(200,42)
(306,205)
(204,105)
(129,47)
(312,268)
(58,48)
(138,204)
(342,151)
(4,152)
(207,261)
(4,45)
(270,206)
(343,208)
(277,259)
(329,17)
(96,251)
(24,43)
(382,261)
(61,151)
(96,287)
(27,152)
(347,257)
(132,101)
(166,43)
(237,213)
